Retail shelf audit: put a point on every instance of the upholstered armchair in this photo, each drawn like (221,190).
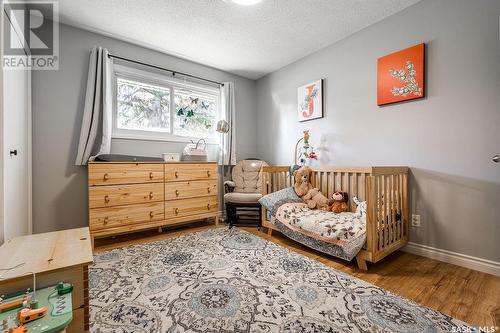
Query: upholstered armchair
(243,192)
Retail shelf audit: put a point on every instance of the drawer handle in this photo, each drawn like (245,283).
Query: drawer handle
(208,206)
(209,189)
(151,215)
(151,195)
(106,220)
(106,198)
(151,175)
(176,211)
(176,174)
(106,177)
(176,193)
(208,173)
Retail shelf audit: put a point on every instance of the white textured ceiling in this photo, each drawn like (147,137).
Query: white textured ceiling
(250,41)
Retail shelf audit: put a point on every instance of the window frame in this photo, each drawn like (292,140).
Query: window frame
(163,81)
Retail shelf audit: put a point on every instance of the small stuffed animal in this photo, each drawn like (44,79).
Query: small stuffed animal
(340,202)
(360,209)
(315,199)
(302,181)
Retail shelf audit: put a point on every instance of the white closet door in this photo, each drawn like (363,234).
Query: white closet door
(16,153)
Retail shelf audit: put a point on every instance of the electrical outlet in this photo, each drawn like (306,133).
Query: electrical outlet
(415,220)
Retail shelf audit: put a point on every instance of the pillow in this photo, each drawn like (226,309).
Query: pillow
(273,201)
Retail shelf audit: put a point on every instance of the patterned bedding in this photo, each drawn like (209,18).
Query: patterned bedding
(341,235)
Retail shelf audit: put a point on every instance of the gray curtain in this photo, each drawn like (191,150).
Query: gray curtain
(229,114)
(98,99)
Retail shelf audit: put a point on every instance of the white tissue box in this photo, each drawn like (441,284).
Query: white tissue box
(171,157)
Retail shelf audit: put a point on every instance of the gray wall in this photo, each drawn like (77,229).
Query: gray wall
(59,187)
(447,139)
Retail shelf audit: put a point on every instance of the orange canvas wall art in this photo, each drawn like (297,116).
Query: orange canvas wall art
(401,75)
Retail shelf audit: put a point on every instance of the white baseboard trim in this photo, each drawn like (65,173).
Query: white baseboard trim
(478,264)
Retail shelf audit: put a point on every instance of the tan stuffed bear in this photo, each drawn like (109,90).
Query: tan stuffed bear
(302,181)
(315,199)
(311,196)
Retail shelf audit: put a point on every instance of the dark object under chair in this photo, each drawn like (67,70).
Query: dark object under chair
(249,214)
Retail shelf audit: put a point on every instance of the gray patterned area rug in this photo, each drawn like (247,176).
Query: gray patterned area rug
(224,280)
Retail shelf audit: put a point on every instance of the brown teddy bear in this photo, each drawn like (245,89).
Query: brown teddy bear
(340,202)
(302,181)
(311,196)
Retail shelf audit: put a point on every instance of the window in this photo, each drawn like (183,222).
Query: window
(195,114)
(149,106)
(142,107)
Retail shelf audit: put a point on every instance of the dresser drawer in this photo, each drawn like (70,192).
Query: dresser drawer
(190,189)
(117,195)
(103,218)
(186,207)
(182,171)
(127,173)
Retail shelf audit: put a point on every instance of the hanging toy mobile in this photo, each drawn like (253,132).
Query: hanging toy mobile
(306,152)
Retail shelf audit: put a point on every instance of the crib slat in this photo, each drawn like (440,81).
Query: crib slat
(363,185)
(405,206)
(349,191)
(371,218)
(377,204)
(266,183)
(395,206)
(355,184)
(344,182)
(390,208)
(400,206)
(380,213)
(324,184)
(387,203)
(386,211)
(398,211)
(330,184)
(388,217)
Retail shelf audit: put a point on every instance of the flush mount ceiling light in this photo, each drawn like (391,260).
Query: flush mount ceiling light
(246,2)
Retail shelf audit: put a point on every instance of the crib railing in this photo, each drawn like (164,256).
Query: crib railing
(327,179)
(351,180)
(275,178)
(384,188)
(387,212)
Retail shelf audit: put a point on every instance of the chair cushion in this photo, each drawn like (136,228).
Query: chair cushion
(247,176)
(243,198)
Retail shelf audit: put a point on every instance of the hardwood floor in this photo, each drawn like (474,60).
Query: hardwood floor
(468,295)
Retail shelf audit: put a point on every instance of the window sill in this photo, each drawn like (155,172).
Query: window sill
(173,138)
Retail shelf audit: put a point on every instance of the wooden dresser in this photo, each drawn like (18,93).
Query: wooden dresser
(125,197)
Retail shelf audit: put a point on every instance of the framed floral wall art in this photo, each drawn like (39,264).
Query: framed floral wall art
(401,75)
(310,101)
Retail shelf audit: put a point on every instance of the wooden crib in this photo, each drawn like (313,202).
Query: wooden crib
(384,188)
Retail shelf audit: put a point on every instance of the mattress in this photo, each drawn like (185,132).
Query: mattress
(341,235)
